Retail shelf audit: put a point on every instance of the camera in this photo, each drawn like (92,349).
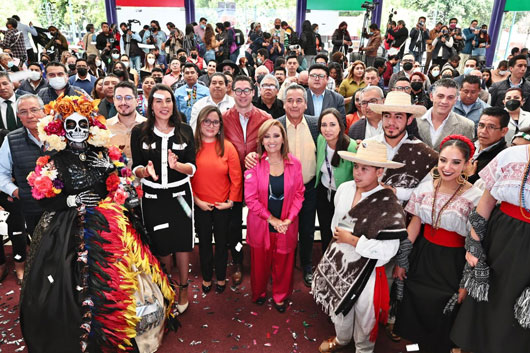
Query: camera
(369,6)
(130,22)
(294,47)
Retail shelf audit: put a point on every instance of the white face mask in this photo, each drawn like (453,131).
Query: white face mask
(98,63)
(57,82)
(150,61)
(125,63)
(435,73)
(34,76)
(115,56)
(418,69)
(502,73)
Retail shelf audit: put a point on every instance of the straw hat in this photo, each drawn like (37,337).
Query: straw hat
(370,152)
(398,102)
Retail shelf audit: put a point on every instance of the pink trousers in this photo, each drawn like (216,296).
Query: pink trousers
(265,262)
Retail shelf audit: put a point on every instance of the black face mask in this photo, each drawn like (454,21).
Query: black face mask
(277,26)
(44,62)
(158,79)
(71,67)
(194,56)
(259,78)
(82,71)
(305,86)
(182,59)
(119,73)
(513,104)
(407,66)
(416,86)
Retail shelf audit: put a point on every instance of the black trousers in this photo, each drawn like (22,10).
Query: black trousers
(16,230)
(235,235)
(206,223)
(325,211)
(306,226)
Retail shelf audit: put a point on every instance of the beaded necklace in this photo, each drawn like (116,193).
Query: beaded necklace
(192,94)
(436,223)
(522,207)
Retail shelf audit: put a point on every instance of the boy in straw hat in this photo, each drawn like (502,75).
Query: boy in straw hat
(417,158)
(368,224)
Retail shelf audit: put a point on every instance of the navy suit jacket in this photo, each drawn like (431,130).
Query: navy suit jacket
(331,100)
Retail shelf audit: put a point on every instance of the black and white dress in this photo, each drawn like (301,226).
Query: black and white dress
(436,264)
(167,204)
(490,326)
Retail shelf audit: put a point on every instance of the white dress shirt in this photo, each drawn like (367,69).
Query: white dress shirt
(3,108)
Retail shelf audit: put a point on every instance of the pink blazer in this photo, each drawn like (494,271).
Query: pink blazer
(257,196)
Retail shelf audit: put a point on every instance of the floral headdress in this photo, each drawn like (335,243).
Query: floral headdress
(51,127)
(462,138)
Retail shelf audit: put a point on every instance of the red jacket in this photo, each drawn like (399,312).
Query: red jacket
(257,196)
(234,131)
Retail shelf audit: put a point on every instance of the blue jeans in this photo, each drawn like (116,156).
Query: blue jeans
(234,55)
(306,226)
(209,55)
(136,62)
(418,55)
(162,60)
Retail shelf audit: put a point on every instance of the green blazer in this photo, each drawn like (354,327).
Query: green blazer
(342,173)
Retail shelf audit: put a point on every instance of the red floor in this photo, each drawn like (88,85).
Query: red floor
(220,322)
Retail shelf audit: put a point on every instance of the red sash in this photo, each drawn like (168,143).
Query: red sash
(443,237)
(381,300)
(514,211)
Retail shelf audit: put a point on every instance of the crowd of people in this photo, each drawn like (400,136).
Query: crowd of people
(415,161)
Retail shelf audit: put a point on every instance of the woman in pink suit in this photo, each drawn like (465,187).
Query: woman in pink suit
(274,192)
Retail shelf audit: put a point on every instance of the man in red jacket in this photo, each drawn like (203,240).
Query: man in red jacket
(241,125)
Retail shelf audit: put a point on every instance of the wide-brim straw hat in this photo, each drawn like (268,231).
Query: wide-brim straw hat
(398,102)
(370,152)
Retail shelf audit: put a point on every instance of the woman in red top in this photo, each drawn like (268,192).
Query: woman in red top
(216,185)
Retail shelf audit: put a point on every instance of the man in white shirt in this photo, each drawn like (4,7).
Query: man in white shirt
(440,121)
(217,97)
(121,124)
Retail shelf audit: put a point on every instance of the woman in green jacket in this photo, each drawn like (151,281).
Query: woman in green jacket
(331,169)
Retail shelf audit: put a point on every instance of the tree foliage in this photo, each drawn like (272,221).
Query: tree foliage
(464,10)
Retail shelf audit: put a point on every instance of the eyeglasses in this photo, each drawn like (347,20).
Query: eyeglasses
(482,126)
(209,122)
(246,91)
(373,101)
(402,89)
(127,98)
(317,76)
(32,111)
(265,86)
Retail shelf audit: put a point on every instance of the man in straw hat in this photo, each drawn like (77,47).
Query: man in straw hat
(418,159)
(350,282)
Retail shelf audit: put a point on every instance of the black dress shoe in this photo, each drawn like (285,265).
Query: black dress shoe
(280,307)
(206,289)
(220,288)
(261,300)
(308,279)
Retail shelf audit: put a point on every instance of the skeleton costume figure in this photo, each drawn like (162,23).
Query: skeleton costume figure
(89,277)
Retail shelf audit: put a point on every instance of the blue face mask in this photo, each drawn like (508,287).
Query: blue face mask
(203,26)
(467,70)
(10,64)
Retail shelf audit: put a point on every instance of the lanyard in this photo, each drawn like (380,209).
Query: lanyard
(328,167)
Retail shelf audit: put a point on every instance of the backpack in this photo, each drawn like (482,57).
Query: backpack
(294,38)
(239,37)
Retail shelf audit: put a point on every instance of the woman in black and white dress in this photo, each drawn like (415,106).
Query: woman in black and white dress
(163,154)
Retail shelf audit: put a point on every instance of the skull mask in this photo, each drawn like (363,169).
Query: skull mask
(76,127)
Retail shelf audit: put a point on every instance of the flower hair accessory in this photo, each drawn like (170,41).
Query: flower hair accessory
(462,138)
(51,127)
